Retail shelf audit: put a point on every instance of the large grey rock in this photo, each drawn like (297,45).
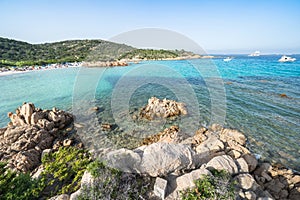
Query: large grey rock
(155,160)
(224,162)
(163,158)
(125,160)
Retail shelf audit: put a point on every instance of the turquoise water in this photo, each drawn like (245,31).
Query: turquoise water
(242,94)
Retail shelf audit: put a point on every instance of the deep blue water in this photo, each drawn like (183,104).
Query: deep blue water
(244,93)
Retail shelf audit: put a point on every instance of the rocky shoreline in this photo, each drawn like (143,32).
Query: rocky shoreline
(172,158)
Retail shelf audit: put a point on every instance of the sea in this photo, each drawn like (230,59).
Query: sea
(258,96)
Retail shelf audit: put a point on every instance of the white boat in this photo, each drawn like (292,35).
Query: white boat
(286,59)
(256,53)
(227,59)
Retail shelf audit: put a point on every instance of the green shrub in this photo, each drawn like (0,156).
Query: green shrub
(110,183)
(63,170)
(16,186)
(217,186)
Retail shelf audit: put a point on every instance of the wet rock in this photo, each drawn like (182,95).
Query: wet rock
(169,135)
(106,126)
(96,108)
(229,135)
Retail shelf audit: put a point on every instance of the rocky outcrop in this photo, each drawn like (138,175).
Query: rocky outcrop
(157,108)
(178,163)
(31,131)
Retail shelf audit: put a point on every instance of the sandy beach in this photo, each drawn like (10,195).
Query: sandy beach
(27,69)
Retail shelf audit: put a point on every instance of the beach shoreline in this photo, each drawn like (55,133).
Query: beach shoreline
(38,68)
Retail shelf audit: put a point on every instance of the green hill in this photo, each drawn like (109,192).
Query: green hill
(18,53)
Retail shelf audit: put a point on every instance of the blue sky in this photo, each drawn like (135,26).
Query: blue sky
(229,26)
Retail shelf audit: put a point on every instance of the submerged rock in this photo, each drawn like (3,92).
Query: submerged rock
(169,135)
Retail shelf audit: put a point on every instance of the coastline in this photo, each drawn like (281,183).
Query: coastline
(38,68)
(120,63)
(173,160)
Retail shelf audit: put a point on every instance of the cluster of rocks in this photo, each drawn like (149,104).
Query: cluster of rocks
(162,109)
(172,157)
(31,132)
(105,64)
(178,162)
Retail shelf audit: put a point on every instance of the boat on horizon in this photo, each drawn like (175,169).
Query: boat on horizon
(256,53)
(227,59)
(286,59)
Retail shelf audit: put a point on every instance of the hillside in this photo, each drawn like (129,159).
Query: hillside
(18,53)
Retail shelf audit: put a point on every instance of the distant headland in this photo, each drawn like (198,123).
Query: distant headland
(15,53)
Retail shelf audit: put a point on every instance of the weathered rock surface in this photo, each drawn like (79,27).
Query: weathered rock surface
(224,162)
(162,109)
(155,160)
(176,164)
(30,131)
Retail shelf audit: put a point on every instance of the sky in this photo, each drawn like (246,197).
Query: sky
(229,26)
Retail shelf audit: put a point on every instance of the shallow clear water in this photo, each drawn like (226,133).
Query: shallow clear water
(242,94)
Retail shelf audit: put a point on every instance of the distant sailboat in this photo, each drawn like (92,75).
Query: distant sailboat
(256,53)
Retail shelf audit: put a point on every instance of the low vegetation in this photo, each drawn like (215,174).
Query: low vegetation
(63,170)
(149,54)
(217,186)
(111,183)
(15,186)
(62,174)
